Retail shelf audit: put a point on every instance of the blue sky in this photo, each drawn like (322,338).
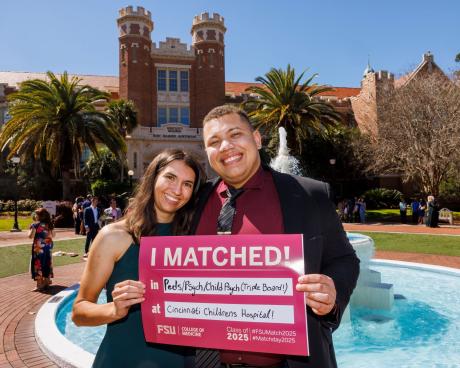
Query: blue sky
(329,37)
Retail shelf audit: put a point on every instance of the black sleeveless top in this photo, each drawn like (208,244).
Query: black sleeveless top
(124,344)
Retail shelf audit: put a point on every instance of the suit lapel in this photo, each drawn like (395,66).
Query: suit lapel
(291,200)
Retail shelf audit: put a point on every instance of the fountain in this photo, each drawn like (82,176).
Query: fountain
(283,162)
(370,292)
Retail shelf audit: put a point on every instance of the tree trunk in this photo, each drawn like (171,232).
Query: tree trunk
(66,186)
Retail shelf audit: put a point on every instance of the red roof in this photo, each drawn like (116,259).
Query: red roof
(238,88)
(110,84)
(102,82)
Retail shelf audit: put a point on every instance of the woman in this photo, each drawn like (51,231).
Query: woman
(162,205)
(76,209)
(41,264)
(421,211)
(433,212)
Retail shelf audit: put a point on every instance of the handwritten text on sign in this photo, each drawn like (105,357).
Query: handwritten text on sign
(225,292)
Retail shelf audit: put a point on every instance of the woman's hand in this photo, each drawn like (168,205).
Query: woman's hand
(125,294)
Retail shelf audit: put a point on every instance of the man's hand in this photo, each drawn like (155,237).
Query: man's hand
(320,293)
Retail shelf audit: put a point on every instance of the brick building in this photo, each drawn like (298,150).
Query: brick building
(174,85)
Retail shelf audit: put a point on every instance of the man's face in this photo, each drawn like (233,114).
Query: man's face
(232,149)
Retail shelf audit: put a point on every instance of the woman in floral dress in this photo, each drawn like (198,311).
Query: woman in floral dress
(41,265)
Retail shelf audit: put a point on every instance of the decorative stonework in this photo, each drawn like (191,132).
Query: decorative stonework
(172,47)
(208,29)
(137,22)
(181,98)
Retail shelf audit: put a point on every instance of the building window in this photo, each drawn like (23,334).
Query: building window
(185,115)
(173,80)
(162,117)
(184,81)
(162,80)
(173,115)
(135,160)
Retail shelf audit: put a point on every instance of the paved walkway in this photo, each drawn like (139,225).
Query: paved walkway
(9,239)
(19,305)
(405,229)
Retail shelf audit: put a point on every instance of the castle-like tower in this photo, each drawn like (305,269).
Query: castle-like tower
(208,42)
(136,79)
(366,106)
(171,83)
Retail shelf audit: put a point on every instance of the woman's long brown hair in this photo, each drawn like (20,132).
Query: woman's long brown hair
(140,217)
(42,215)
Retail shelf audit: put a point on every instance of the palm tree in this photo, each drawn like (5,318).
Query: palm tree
(284,101)
(58,117)
(123,114)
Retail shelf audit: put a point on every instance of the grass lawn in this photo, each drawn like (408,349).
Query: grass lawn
(392,215)
(417,243)
(6,223)
(15,259)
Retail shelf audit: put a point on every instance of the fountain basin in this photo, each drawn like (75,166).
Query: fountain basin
(421,330)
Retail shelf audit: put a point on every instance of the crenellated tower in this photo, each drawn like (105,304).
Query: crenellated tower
(135,27)
(209,72)
(375,86)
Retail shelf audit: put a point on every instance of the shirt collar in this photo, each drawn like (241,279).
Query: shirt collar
(255,182)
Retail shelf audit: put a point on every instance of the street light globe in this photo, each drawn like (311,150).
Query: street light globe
(332,161)
(130,172)
(15,160)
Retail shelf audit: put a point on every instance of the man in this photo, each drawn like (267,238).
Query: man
(272,203)
(113,213)
(415,205)
(87,202)
(91,219)
(403,210)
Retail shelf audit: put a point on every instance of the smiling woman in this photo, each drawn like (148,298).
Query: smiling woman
(163,205)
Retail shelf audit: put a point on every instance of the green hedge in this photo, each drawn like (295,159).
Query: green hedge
(27,205)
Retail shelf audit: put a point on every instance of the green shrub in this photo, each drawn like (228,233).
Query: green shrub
(107,188)
(382,198)
(25,205)
(449,193)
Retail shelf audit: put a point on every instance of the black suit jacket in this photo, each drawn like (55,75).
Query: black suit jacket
(307,209)
(88,217)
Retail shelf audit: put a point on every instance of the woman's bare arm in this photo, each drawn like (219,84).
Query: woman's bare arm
(110,244)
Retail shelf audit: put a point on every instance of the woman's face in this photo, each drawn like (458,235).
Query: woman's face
(173,189)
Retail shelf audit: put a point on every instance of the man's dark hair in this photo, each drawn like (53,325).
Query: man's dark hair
(219,111)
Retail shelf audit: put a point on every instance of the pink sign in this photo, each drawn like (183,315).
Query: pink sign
(227,292)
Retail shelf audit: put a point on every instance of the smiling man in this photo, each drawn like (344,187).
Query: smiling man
(248,198)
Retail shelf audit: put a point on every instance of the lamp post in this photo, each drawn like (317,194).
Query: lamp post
(130,174)
(15,161)
(338,185)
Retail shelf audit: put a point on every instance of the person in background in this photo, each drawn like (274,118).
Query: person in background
(112,213)
(403,210)
(76,211)
(41,264)
(421,211)
(341,209)
(163,205)
(415,206)
(91,217)
(295,205)
(432,218)
(362,210)
(87,202)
